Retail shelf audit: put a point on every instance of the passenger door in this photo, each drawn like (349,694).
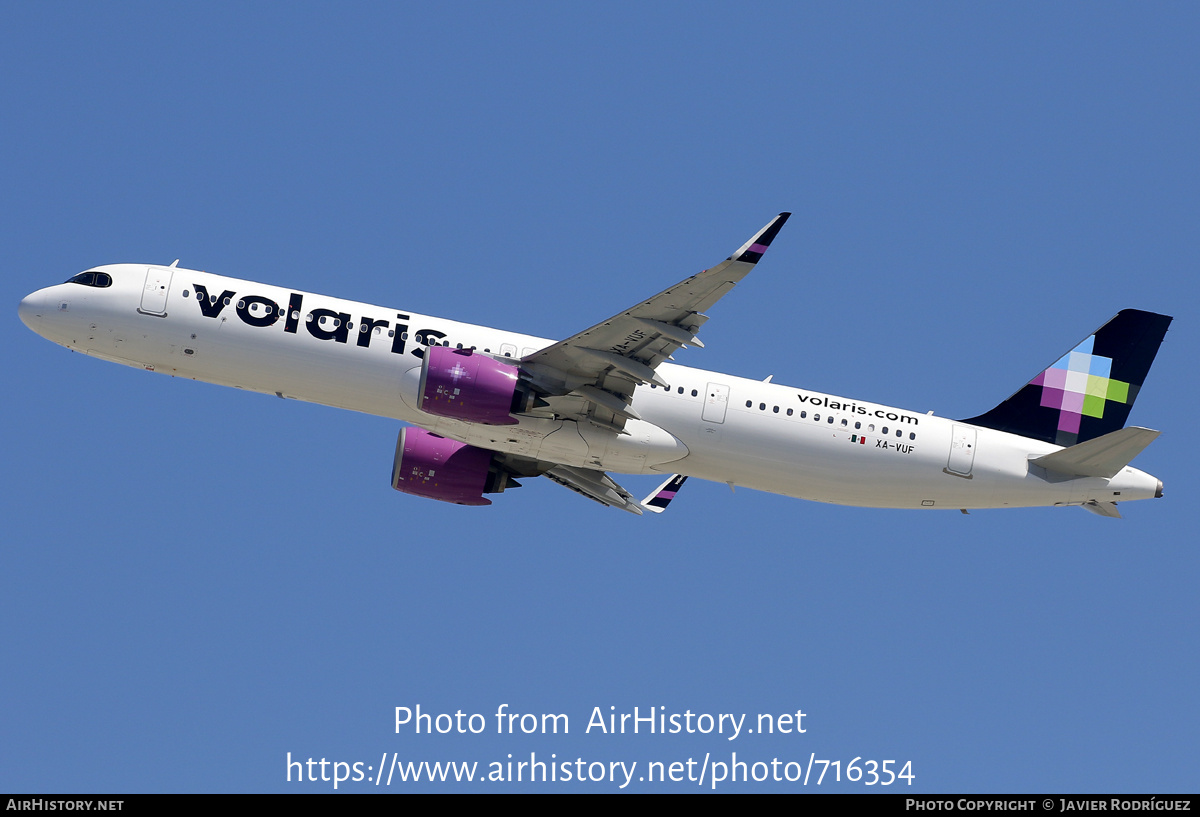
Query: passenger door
(154,293)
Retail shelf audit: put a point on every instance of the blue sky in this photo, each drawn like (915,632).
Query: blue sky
(199,581)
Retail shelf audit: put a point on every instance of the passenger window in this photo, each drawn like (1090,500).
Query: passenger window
(831,419)
(899,433)
(775,410)
(884,429)
(789,412)
(816,418)
(749,404)
(762,406)
(845,423)
(694,392)
(912,435)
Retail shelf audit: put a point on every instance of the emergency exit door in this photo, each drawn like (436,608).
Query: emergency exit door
(716,400)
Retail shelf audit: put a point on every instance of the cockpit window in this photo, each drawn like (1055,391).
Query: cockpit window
(92,279)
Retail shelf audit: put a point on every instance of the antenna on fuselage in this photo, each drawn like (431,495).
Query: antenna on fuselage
(174,264)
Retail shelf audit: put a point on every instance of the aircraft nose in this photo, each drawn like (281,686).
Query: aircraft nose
(32,308)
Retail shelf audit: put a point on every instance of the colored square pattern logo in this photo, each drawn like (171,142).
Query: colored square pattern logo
(1078,385)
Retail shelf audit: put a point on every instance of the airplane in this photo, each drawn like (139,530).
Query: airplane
(486,407)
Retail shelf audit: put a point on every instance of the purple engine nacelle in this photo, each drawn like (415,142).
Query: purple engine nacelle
(446,470)
(462,385)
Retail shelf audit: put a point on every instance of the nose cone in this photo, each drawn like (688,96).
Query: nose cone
(32,308)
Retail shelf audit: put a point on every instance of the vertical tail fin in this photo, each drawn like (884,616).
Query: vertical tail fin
(1089,391)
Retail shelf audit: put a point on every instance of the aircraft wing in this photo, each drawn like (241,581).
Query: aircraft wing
(599,368)
(590,482)
(601,487)
(595,485)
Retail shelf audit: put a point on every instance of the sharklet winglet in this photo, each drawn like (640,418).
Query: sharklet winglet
(661,497)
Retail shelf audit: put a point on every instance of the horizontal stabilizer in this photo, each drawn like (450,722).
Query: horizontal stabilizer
(1103,456)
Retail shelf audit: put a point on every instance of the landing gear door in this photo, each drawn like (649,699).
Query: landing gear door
(716,400)
(962,451)
(154,294)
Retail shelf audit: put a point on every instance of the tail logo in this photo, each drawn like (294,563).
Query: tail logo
(1078,385)
(1090,390)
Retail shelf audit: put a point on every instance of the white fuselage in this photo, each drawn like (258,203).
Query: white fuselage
(712,426)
